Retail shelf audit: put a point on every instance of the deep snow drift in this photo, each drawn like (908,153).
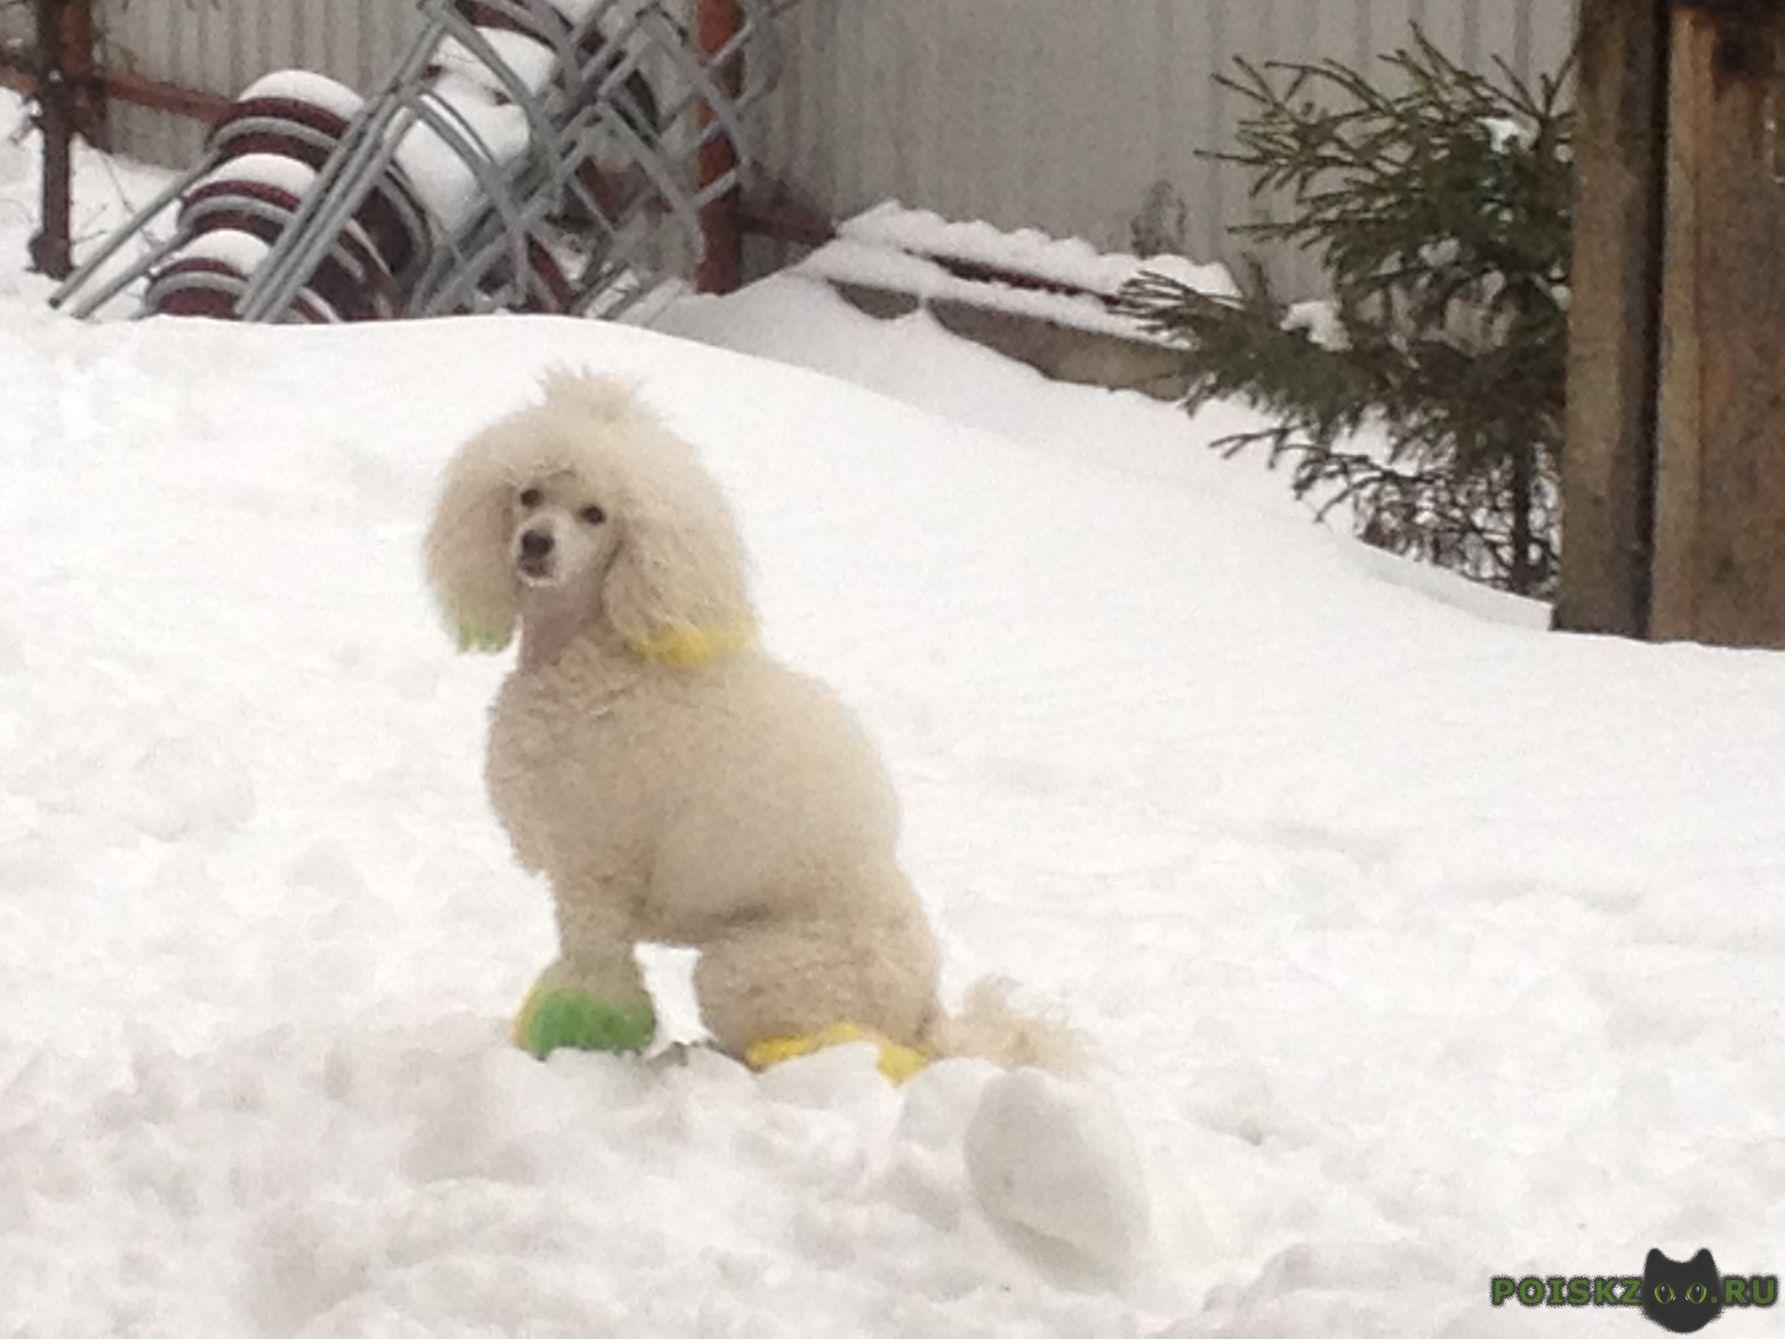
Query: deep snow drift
(1419,945)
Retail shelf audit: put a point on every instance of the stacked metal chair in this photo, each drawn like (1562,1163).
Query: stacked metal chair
(530,155)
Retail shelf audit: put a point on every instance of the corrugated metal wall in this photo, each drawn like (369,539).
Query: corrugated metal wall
(1065,114)
(1058,114)
(222,45)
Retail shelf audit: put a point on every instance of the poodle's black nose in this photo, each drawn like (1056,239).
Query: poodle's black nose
(535,544)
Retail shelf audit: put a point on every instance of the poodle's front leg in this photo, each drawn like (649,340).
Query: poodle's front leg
(593,998)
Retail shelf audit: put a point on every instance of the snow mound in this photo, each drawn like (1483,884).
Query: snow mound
(1417,944)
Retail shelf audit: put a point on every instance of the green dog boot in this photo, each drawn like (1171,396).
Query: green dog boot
(553,1018)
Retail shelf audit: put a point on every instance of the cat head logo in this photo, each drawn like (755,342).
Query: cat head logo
(1685,1297)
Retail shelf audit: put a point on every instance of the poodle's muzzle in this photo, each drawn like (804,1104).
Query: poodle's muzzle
(533,554)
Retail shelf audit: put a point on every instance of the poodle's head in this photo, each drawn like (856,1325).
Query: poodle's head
(587,502)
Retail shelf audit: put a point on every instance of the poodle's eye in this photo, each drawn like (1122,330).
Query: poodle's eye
(530,498)
(593,515)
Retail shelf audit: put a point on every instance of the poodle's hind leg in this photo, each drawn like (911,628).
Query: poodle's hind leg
(775,989)
(593,998)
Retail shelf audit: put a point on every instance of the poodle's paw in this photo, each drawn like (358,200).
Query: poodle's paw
(897,1062)
(553,1017)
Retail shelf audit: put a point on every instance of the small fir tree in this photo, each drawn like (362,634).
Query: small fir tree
(1431,397)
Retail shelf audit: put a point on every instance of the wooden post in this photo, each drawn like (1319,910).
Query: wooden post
(1719,572)
(80,62)
(52,249)
(721,268)
(1674,472)
(1613,333)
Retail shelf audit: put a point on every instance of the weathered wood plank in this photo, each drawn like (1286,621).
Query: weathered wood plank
(1608,463)
(1720,533)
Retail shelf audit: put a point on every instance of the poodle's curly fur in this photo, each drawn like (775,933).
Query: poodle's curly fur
(671,781)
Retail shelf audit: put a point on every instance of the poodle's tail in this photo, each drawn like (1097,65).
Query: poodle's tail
(989,1028)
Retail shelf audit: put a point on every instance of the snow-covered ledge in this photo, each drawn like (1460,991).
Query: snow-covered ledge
(1044,301)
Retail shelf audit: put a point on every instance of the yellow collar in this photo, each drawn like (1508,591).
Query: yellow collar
(694,648)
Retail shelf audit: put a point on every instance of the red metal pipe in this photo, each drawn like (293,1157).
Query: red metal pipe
(785,223)
(128,86)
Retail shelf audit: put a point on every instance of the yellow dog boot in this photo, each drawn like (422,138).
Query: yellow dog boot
(895,1061)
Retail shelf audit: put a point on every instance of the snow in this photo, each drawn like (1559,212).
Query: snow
(271,169)
(1070,261)
(1417,944)
(1507,134)
(106,192)
(306,86)
(846,261)
(242,251)
(527,58)
(896,248)
(579,10)
(1319,320)
(444,179)
(1043,1160)
(290,176)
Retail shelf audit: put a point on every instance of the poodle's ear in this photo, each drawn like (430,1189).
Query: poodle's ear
(675,592)
(467,548)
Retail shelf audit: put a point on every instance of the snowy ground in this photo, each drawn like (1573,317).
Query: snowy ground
(106,192)
(1419,945)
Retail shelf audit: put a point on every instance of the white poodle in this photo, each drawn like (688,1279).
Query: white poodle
(671,781)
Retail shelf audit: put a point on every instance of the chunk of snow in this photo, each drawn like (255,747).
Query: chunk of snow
(1319,321)
(1052,1159)
(1505,133)
(940,1101)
